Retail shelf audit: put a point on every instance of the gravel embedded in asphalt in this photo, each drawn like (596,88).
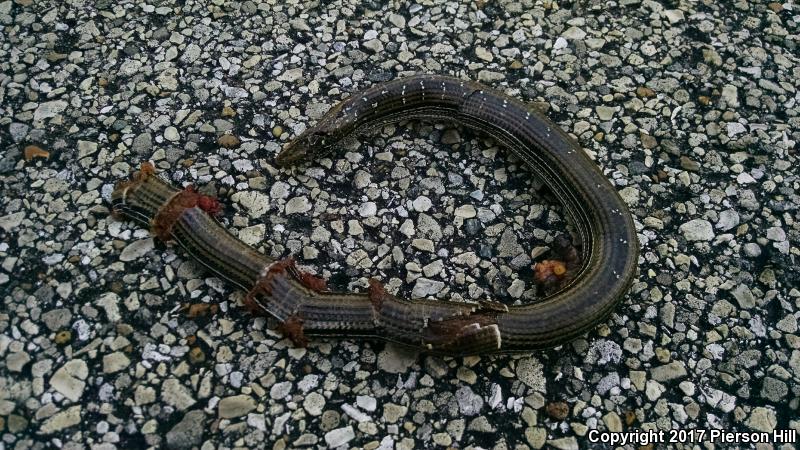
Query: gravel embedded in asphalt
(691,110)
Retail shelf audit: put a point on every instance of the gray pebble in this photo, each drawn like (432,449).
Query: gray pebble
(422,203)
(280,390)
(49,110)
(530,372)
(751,250)
(136,249)
(174,393)
(297,205)
(469,403)
(367,209)
(314,403)
(697,230)
(339,436)
(728,219)
(235,406)
(425,287)
(18,131)
(56,319)
(188,432)
(668,372)
(142,144)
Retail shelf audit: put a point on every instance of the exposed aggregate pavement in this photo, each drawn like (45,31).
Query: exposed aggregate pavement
(691,109)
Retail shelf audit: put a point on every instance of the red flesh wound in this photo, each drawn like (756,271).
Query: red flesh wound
(376,293)
(312,282)
(145,170)
(168,215)
(282,266)
(292,328)
(549,271)
(251,305)
(209,204)
(449,331)
(307,279)
(263,285)
(170,212)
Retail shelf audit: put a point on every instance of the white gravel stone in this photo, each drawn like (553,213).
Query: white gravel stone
(354,228)
(314,403)
(469,403)
(86,148)
(433,269)
(280,390)
(744,296)
(566,443)
(298,205)
(339,436)
(425,245)
(50,109)
(395,359)
(728,219)
(776,234)
(630,195)
(745,178)
(279,190)
(697,230)
(674,15)
(176,394)
(366,402)
(357,415)
(171,134)
(730,95)
(235,406)
(531,372)
(256,203)
(375,45)
(61,420)
(668,372)
(762,419)
(253,235)
(653,390)
(191,53)
(11,221)
(136,249)
(751,249)
(109,301)
(291,75)
(115,362)
(422,203)
(466,211)
(788,324)
(735,128)
(606,113)
(516,289)
(425,287)
(16,361)
(397,20)
(367,209)
(484,54)
(144,395)
(574,33)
